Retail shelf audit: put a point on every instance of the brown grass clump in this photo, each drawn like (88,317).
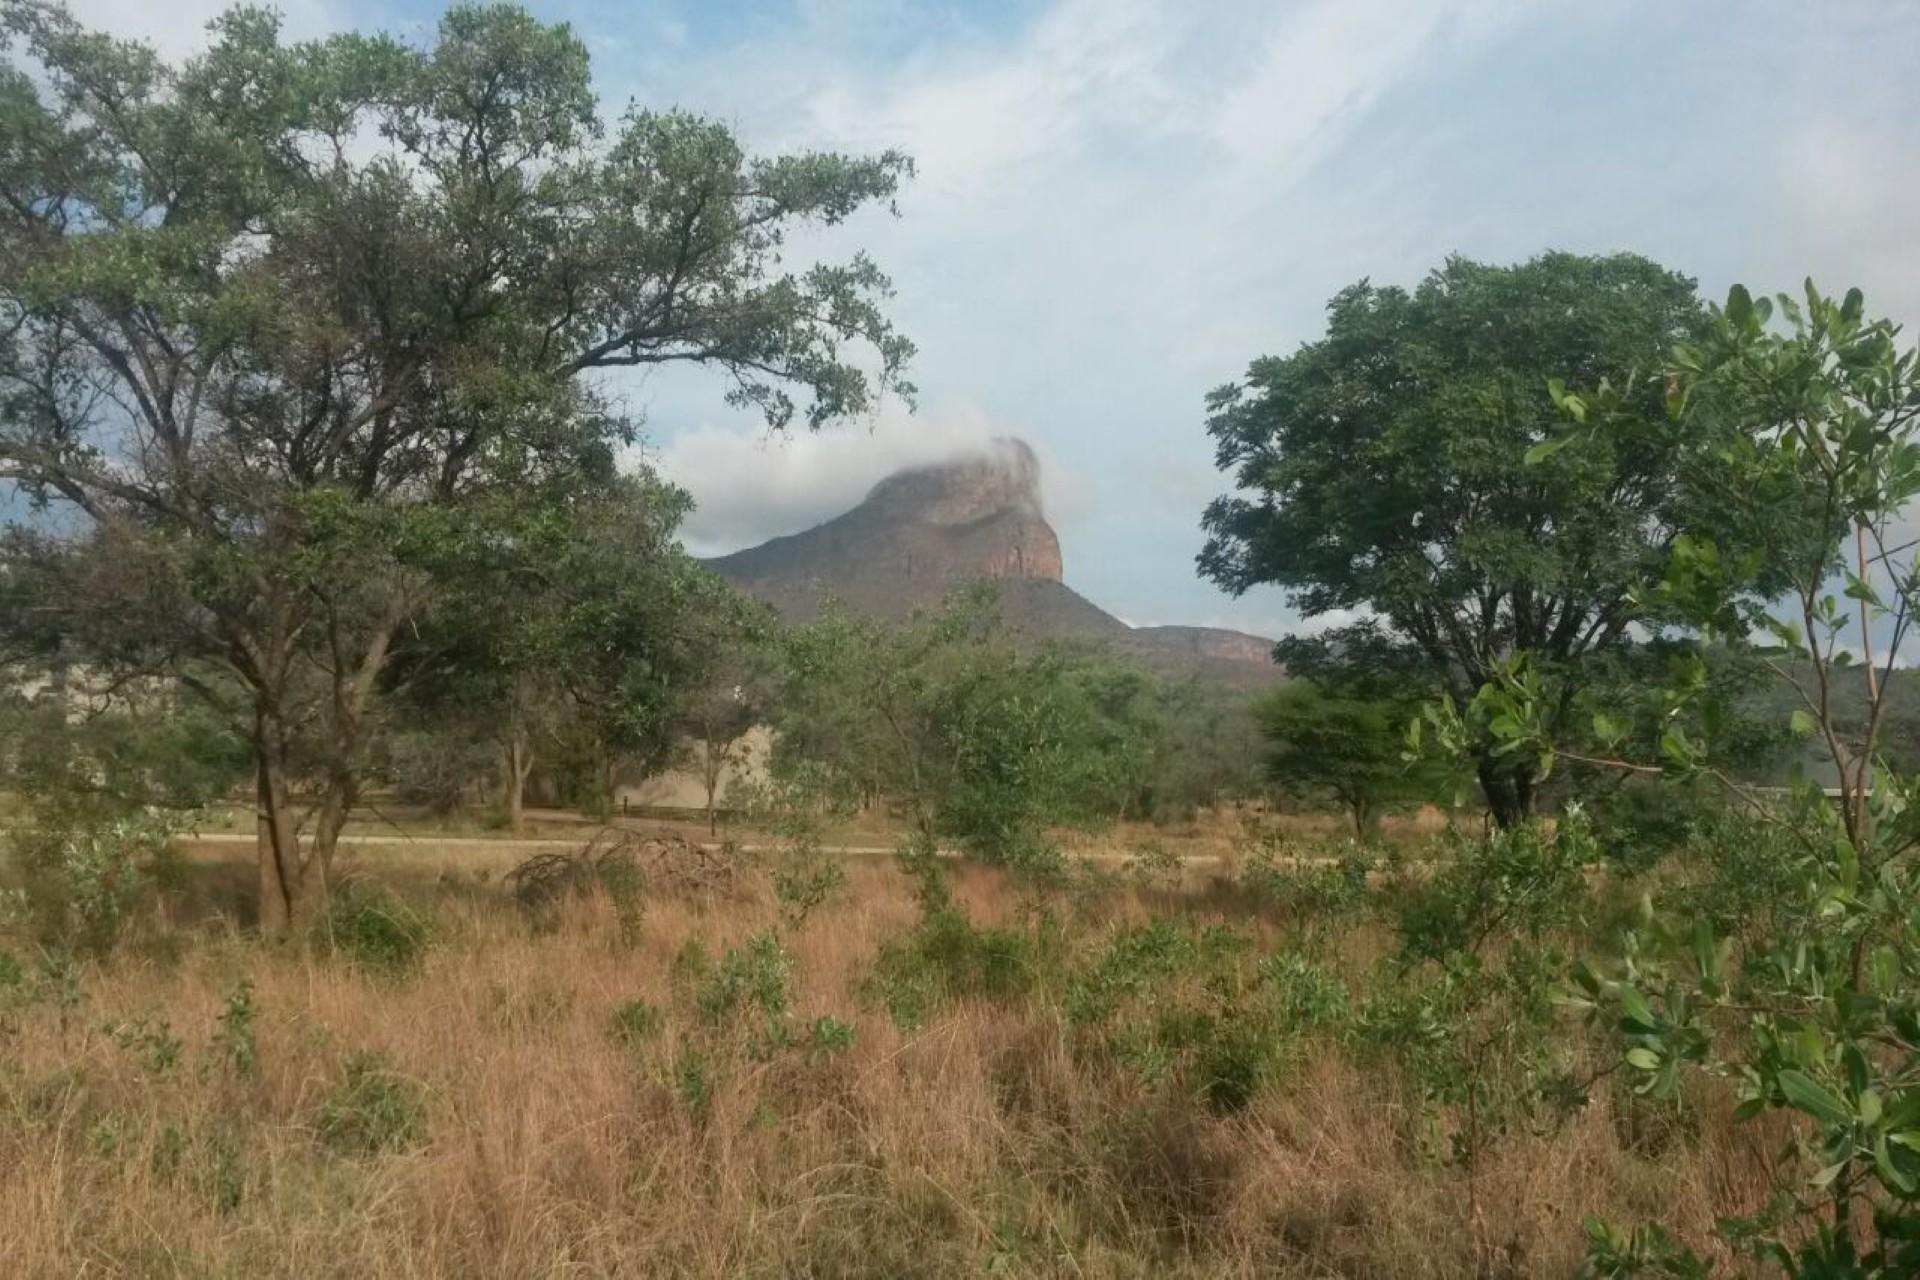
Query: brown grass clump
(570,1098)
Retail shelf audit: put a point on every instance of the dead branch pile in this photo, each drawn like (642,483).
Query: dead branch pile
(619,860)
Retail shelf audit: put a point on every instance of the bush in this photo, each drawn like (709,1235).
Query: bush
(634,1023)
(375,930)
(805,883)
(371,1110)
(946,957)
(828,1035)
(1173,1003)
(755,975)
(86,872)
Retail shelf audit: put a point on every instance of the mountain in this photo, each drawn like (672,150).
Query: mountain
(923,532)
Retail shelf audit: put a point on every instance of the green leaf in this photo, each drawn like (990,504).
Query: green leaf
(1544,450)
(1605,729)
(1643,1058)
(1826,1176)
(1635,1006)
(1806,1094)
(1739,305)
(1890,1172)
(1803,724)
(1862,591)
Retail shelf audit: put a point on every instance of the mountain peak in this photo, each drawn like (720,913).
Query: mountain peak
(924,531)
(1002,479)
(919,534)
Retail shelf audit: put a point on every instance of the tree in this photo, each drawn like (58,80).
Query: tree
(1382,469)
(974,740)
(577,610)
(1808,1004)
(716,718)
(1326,744)
(275,323)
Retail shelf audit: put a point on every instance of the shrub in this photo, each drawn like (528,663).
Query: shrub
(755,975)
(693,1082)
(375,930)
(1321,880)
(371,1110)
(634,1023)
(1520,880)
(946,957)
(827,1035)
(87,871)
(804,884)
(1303,995)
(151,1040)
(235,1041)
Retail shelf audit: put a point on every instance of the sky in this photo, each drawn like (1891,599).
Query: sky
(1120,203)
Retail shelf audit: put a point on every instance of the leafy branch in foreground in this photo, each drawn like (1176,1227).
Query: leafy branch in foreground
(1807,412)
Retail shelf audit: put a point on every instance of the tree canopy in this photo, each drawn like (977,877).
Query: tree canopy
(279,322)
(1382,470)
(1325,744)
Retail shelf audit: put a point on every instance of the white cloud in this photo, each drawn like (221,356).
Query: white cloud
(751,485)
(1270,625)
(179,27)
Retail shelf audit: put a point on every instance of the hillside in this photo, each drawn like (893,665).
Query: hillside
(923,532)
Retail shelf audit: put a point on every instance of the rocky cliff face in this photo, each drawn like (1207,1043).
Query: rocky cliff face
(923,532)
(919,534)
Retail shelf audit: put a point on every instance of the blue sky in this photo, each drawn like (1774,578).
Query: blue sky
(1121,202)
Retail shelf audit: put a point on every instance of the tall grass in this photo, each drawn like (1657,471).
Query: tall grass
(574,1100)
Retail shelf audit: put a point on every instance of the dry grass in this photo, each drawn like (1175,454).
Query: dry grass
(979,1144)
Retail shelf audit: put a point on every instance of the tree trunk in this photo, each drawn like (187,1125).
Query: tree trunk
(519,765)
(293,884)
(1509,793)
(711,762)
(275,908)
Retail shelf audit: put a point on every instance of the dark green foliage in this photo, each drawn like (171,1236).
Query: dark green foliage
(1324,744)
(1383,467)
(1786,967)
(1520,882)
(371,1110)
(947,957)
(754,976)
(373,929)
(315,389)
(828,1035)
(234,1041)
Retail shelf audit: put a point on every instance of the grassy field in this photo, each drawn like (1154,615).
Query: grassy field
(1143,1071)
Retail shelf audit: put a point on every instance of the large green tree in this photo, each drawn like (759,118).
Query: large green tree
(569,615)
(276,321)
(1382,470)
